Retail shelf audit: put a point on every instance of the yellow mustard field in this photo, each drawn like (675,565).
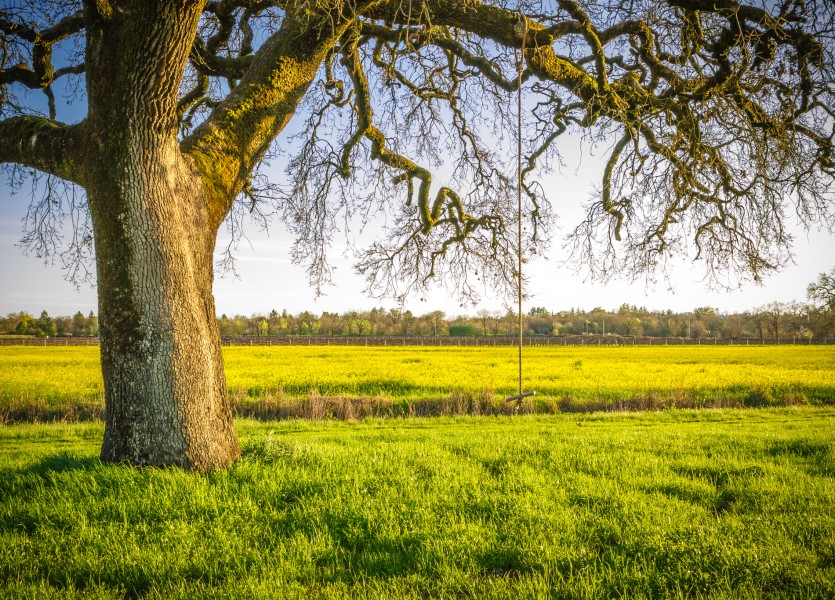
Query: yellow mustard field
(564,377)
(423,373)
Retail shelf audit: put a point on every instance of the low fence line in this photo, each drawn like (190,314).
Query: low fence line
(533,341)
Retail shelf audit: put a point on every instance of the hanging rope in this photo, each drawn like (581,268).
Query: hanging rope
(520,68)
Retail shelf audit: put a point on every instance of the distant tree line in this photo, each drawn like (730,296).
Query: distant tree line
(776,320)
(22,323)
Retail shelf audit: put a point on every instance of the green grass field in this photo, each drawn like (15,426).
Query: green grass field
(680,503)
(65,383)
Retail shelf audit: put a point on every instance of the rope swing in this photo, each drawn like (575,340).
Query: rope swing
(520,68)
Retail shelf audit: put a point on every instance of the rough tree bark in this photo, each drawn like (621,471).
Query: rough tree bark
(165,389)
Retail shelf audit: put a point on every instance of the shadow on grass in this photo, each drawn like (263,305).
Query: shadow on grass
(817,457)
(58,463)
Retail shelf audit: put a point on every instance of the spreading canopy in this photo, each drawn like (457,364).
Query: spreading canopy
(717,118)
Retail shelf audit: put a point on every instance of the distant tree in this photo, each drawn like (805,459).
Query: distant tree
(625,309)
(7,324)
(710,320)
(330,324)
(44,325)
(395,316)
(485,318)
(436,320)
(291,324)
(774,315)
(357,323)
(309,323)
(737,325)
(495,322)
(704,313)
(363,326)
(377,318)
(632,326)
(820,320)
(670,326)
(759,322)
(598,318)
(509,323)
(273,322)
(407,323)
(262,326)
(225,326)
(465,330)
(79,324)
(698,329)
(63,325)
(540,325)
(796,319)
(25,324)
(822,291)
(92,324)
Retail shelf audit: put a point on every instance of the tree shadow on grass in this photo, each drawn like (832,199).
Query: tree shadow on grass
(59,463)
(55,463)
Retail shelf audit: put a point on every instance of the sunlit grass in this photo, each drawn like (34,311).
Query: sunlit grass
(66,382)
(683,504)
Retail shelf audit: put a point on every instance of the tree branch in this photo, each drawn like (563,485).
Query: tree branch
(42,144)
(228,145)
(41,74)
(501,26)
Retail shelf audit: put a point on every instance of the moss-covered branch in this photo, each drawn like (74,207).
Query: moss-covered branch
(41,73)
(501,25)
(42,144)
(228,146)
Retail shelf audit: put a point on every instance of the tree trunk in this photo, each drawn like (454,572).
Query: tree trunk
(165,389)
(166,400)
(156,205)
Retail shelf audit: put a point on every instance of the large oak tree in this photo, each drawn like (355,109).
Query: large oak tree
(716,114)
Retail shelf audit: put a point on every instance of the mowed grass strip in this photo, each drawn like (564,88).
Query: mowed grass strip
(681,504)
(65,383)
